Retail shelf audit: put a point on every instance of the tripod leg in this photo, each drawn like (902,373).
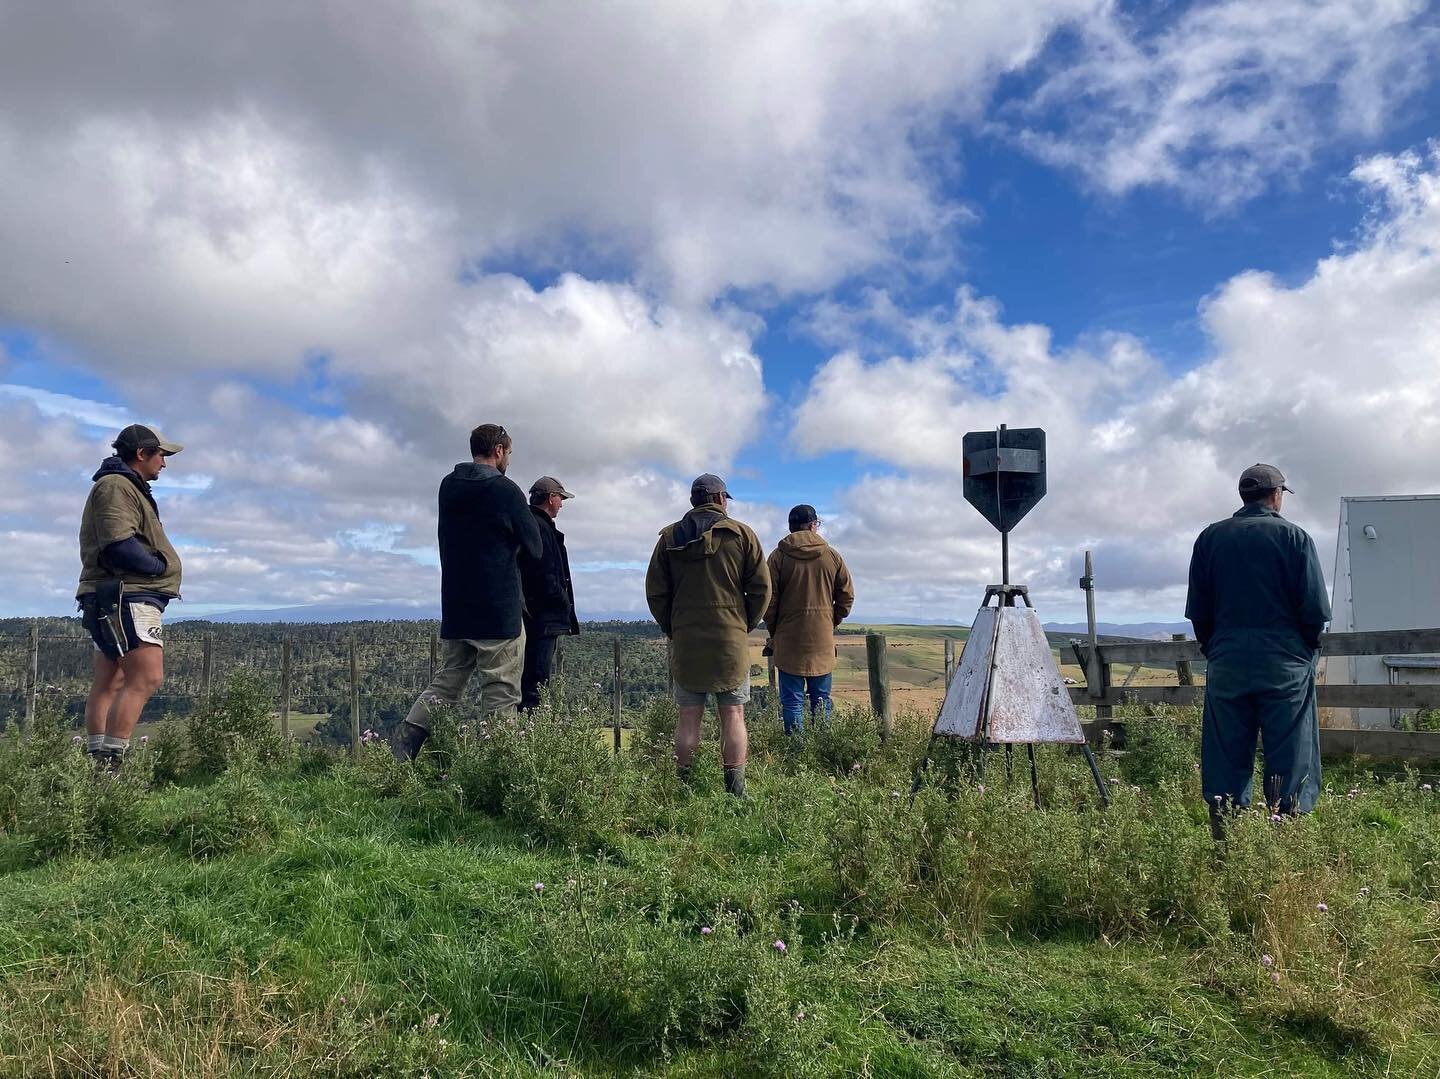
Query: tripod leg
(1095,771)
(1034,775)
(921,768)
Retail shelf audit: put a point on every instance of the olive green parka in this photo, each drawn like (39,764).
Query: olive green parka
(707,587)
(810,594)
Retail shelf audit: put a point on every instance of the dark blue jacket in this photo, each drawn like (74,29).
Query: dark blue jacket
(485,524)
(549,593)
(1255,583)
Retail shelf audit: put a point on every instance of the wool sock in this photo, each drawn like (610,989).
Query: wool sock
(116,746)
(94,743)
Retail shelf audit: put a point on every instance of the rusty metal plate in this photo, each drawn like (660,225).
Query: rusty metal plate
(965,696)
(1028,701)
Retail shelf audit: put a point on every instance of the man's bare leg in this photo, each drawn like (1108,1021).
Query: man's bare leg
(144,669)
(734,746)
(687,735)
(105,685)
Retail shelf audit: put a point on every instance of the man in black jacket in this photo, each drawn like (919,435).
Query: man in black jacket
(549,595)
(485,526)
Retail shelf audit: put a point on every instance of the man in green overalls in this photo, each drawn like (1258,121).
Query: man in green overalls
(1257,601)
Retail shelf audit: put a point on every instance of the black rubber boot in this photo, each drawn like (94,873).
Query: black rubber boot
(735,779)
(408,741)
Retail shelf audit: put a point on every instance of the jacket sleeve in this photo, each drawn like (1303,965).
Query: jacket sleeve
(659,589)
(772,609)
(756,582)
(527,532)
(116,512)
(1200,601)
(132,556)
(1314,603)
(844,590)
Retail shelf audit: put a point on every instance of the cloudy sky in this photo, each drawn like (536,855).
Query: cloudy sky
(805,245)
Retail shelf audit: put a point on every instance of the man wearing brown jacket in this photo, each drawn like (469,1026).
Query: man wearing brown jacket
(810,594)
(707,587)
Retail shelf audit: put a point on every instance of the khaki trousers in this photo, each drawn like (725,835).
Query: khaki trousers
(498,665)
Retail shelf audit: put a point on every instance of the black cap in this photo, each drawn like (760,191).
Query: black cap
(710,486)
(1258,478)
(139,437)
(801,516)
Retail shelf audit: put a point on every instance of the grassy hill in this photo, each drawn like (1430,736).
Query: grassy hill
(521,902)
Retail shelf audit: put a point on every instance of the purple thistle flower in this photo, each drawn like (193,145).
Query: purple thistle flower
(144,738)
(1322,907)
(705,930)
(1276,818)
(980,788)
(1426,787)
(539,886)
(75,740)
(1267,960)
(800,1014)
(779,946)
(1114,780)
(1274,977)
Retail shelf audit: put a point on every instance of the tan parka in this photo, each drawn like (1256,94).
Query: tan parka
(707,587)
(810,594)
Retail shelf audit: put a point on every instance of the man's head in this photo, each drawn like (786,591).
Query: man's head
(490,445)
(803,518)
(144,450)
(1263,484)
(547,494)
(709,488)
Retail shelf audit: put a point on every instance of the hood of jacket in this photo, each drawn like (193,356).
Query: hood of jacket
(697,534)
(473,473)
(113,466)
(803,545)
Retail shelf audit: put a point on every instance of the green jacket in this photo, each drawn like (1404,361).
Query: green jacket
(117,509)
(707,587)
(810,595)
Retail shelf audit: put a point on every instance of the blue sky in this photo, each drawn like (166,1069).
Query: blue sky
(810,247)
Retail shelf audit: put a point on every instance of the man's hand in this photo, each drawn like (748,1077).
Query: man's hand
(769,649)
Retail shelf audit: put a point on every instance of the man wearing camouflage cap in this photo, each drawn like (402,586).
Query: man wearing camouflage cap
(129,573)
(1257,601)
(549,594)
(707,587)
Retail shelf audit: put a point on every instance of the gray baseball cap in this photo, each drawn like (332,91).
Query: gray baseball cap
(1261,478)
(710,485)
(549,485)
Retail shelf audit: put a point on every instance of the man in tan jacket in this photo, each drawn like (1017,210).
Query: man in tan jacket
(810,594)
(707,587)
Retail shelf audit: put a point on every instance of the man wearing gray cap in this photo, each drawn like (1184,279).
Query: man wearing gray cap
(549,595)
(1257,601)
(129,573)
(707,587)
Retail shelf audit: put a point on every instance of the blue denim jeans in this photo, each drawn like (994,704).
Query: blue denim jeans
(794,688)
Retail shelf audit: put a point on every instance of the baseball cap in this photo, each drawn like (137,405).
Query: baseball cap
(710,485)
(802,515)
(139,437)
(1261,478)
(549,485)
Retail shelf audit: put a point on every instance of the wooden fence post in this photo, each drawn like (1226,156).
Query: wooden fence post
(772,679)
(949,660)
(354,701)
(434,655)
(207,658)
(1096,673)
(285,689)
(1182,667)
(619,696)
(879,683)
(32,679)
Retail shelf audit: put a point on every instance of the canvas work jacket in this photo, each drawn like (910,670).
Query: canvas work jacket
(119,507)
(1257,593)
(707,587)
(810,594)
(549,595)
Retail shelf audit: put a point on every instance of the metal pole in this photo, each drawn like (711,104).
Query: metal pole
(285,689)
(1094,671)
(32,679)
(1004,557)
(619,698)
(354,701)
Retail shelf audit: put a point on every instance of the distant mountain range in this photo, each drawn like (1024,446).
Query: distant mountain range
(396,612)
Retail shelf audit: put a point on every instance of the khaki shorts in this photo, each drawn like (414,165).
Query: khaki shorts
(689,698)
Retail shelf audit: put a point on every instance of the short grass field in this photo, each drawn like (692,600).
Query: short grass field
(522,902)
